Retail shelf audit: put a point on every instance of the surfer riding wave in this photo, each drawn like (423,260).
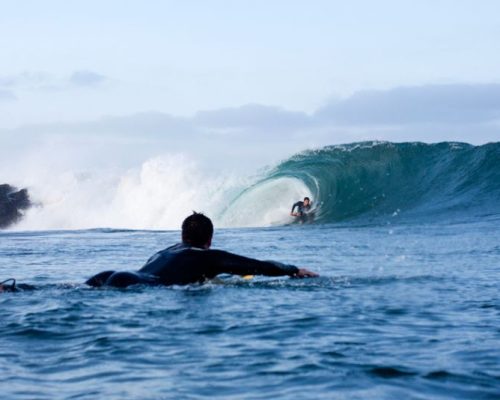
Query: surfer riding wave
(304,211)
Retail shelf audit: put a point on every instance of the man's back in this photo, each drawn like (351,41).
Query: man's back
(179,265)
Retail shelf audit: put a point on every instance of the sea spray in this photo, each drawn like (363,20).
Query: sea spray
(156,195)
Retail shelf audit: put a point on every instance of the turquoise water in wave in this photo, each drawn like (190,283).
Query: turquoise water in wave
(401,310)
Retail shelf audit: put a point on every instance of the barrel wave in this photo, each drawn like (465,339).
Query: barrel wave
(373,180)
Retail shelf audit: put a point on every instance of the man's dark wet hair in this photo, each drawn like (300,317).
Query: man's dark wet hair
(307,198)
(197,230)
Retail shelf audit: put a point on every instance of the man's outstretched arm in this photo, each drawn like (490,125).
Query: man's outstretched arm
(224,262)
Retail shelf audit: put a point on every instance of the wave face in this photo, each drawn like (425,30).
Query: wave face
(374,179)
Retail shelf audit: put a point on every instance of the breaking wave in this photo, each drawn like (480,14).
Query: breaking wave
(358,181)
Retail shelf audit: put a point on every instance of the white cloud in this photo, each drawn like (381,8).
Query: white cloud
(87,78)
(256,134)
(252,116)
(34,81)
(28,80)
(430,104)
(7,95)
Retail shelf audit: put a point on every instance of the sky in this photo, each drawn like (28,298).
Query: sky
(220,77)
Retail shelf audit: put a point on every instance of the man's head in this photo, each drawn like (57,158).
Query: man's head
(306,201)
(197,230)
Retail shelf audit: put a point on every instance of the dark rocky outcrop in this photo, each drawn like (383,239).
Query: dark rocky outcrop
(12,203)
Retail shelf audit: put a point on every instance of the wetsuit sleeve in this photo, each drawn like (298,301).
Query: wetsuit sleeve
(295,205)
(224,262)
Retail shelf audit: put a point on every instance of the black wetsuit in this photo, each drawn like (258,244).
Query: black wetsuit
(301,208)
(182,264)
(304,213)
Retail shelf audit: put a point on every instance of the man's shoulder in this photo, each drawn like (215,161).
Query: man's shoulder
(171,249)
(175,247)
(161,257)
(180,248)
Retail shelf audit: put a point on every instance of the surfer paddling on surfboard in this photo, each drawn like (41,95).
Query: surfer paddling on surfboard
(192,261)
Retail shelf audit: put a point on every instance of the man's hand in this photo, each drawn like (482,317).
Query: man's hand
(304,273)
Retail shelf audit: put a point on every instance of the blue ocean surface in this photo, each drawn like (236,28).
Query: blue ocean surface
(400,311)
(407,242)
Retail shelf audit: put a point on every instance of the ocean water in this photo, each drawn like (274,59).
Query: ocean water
(400,311)
(407,243)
